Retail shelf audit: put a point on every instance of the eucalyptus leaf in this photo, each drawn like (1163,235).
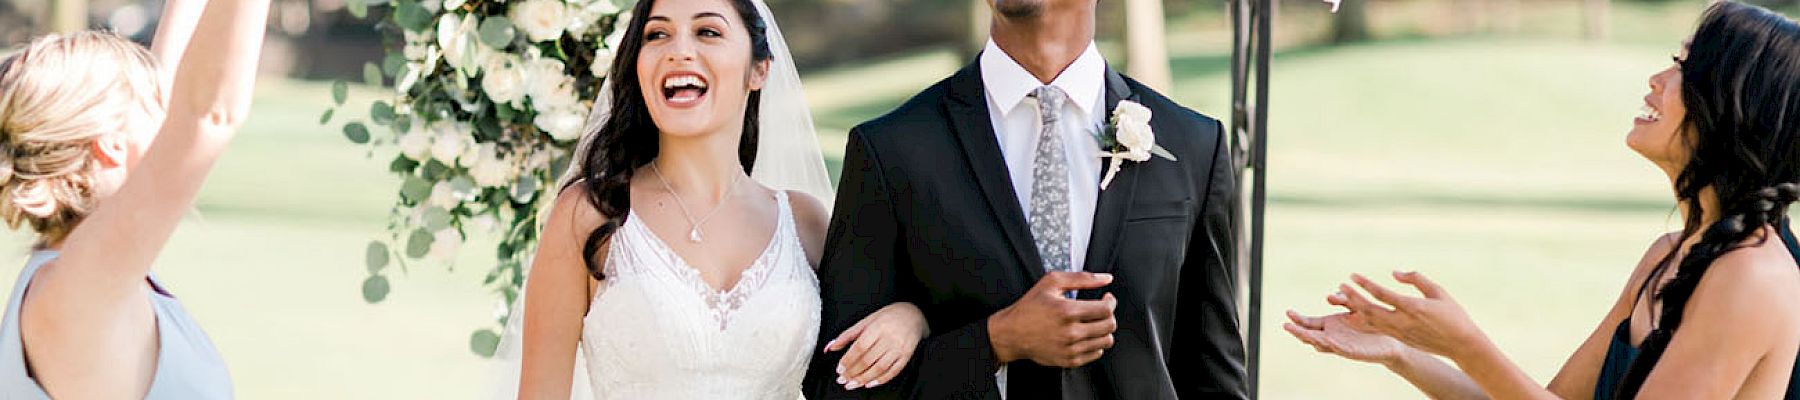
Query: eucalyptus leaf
(382,113)
(358,8)
(393,64)
(484,342)
(377,257)
(437,218)
(1159,151)
(402,165)
(340,91)
(411,16)
(498,32)
(372,74)
(415,189)
(357,133)
(375,289)
(419,243)
(326,119)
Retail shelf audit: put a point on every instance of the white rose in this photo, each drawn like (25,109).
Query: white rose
(485,222)
(603,59)
(541,20)
(563,125)
(490,169)
(548,86)
(449,144)
(504,82)
(444,245)
(583,16)
(416,143)
(1133,123)
(451,4)
(443,196)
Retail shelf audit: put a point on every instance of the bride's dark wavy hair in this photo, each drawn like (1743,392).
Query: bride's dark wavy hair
(1741,85)
(627,140)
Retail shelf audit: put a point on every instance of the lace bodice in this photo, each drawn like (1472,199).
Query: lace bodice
(656,330)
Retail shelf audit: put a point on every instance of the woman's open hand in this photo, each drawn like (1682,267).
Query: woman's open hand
(1434,323)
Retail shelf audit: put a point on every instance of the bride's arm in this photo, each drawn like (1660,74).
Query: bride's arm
(557,298)
(881,344)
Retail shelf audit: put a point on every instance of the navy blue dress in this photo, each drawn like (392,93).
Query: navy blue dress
(1620,352)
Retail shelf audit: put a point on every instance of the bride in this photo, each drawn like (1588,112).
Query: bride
(677,261)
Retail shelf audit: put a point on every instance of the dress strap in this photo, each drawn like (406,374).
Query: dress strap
(1787,238)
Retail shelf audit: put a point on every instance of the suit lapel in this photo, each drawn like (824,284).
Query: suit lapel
(1114,201)
(968,114)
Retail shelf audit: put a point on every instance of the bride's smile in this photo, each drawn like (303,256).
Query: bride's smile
(696,69)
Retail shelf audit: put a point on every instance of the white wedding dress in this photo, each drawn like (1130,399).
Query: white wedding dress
(655,330)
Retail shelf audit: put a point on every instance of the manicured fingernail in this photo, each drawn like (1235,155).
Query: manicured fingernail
(841,380)
(853,385)
(840,370)
(828,346)
(874,383)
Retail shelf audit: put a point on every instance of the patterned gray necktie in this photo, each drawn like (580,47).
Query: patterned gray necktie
(1049,217)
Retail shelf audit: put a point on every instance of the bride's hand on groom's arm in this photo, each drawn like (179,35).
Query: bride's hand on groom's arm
(879,345)
(1051,329)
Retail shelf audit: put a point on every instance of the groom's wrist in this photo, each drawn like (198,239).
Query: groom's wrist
(996,339)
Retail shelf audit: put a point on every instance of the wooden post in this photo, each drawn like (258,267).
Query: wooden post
(1146,46)
(68,15)
(1596,15)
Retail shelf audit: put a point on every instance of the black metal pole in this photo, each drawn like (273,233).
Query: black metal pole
(1259,169)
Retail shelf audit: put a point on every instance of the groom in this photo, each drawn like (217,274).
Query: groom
(980,200)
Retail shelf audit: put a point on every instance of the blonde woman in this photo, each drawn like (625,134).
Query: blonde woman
(92,163)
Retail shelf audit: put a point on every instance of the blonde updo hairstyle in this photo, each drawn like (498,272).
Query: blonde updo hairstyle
(58,96)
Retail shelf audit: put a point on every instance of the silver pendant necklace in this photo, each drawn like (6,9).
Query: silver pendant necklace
(694,230)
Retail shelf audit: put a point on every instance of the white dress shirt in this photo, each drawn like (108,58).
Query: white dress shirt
(1017,126)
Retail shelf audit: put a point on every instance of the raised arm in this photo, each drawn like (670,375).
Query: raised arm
(107,256)
(173,32)
(556,299)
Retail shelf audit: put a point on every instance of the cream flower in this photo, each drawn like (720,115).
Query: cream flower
(444,245)
(443,196)
(548,86)
(1133,122)
(490,169)
(603,59)
(541,20)
(449,143)
(504,81)
(563,124)
(415,144)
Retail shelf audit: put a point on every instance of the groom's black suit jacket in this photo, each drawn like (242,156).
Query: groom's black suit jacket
(926,213)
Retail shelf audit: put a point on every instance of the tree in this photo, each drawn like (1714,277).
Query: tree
(1146,49)
(1595,14)
(68,15)
(1351,23)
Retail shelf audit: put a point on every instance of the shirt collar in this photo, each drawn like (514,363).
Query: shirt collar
(1008,83)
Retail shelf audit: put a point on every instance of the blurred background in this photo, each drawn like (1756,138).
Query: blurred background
(1479,141)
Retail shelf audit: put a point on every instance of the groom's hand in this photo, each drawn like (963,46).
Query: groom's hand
(1053,330)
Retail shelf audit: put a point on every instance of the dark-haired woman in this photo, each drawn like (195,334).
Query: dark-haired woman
(677,263)
(1712,311)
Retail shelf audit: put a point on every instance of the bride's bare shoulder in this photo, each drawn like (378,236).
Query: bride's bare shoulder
(574,208)
(810,219)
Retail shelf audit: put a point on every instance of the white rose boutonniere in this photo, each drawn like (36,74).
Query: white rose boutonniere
(1128,137)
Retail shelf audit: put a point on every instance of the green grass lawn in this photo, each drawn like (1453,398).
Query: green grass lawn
(1496,166)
